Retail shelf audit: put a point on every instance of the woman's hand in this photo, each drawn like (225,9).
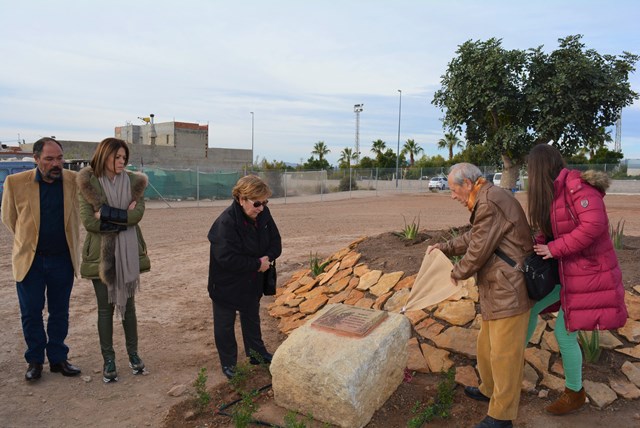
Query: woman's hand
(542,250)
(264,264)
(132,205)
(97,215)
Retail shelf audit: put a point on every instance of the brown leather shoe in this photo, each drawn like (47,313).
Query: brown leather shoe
(568,402)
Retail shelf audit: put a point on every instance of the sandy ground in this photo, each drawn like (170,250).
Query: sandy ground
(174,310)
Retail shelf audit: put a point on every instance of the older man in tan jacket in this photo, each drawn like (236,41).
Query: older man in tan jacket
(497,221)
(40,207)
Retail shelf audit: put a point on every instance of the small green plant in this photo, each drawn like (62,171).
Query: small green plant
(203,398)
(617,234)
(590,345)
(239,379)
(242,414)
(410,231)
(291,420)
(315,265)
(440,406)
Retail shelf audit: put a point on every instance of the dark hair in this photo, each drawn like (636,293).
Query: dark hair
(39,145)
(544,163)
(106,148)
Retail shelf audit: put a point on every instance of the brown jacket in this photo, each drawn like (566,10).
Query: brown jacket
(497,220)
(21,214)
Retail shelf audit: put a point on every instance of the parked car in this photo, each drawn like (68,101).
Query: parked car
(9,167)
(498,177)
(438,183)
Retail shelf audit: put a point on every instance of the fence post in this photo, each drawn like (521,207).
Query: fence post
(284,178)
(198,185)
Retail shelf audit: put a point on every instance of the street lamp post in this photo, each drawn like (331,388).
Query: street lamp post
(357,109)
(252,139)
(398,152)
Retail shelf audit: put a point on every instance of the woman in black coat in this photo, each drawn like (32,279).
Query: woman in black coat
(244,240)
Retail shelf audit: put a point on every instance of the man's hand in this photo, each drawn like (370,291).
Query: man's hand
(430,248)
(264,264)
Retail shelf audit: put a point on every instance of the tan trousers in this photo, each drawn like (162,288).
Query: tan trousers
(501,345)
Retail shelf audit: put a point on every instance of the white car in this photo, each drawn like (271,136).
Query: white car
(438,183)
(497,178)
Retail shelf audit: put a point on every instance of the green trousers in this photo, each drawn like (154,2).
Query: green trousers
(567,341)
(105,323)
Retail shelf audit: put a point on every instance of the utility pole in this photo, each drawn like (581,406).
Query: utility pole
(357,109)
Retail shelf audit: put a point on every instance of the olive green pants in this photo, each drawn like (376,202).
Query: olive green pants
(105,322)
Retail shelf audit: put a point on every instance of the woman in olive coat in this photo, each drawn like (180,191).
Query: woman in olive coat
(114,253)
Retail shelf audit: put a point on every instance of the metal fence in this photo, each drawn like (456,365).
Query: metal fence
(196,184)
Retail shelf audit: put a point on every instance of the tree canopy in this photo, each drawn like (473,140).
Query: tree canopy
(510,100)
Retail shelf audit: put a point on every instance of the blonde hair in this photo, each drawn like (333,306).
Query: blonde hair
(251,187)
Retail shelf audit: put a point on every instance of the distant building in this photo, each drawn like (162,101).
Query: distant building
(633,166)
(166,145)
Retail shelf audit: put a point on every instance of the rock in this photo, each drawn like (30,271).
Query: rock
(552,382)
(312,306)
(537,333)
(416,316)
(189,415)
(177,390)
(459,340)
(339,285)
(386,283)
(529,379)
(544,393)
(87,379)
(633,305)
(365,302)
(633,352)
(608,340)
(360,270)
(429,328)
(632,372)
(416,361)
(438,359)
(557,367)
(282,311)
(466,376)
(631,331)
(350,260)
(599,393)
(380,301)
(456,313)
(397,301)
(341,274)
(625,389)
(340,297)
(538,358)
(477,322)
(406,282)
(549,342)
(329,274)
(347,385)
(354,296)
(369,279)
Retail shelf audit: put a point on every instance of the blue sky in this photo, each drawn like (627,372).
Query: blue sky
(77,69)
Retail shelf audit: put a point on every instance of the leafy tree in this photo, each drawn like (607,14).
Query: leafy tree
(316,164)
(430,161)
(412,149)
(367,163)
(604,155)
(346,156)
(320,149)
(510,100)
(378,147)
(449,142)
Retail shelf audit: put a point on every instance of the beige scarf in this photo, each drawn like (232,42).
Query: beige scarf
(118,192)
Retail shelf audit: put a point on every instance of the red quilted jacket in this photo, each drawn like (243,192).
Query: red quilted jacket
(592,293)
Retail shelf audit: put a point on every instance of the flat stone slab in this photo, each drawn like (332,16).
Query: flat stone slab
(349,320)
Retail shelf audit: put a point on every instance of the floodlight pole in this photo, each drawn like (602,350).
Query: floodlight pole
(398,152)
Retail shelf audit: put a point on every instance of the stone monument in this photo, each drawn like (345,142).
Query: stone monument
(342,365)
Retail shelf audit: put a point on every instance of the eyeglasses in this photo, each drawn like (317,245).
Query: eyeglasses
(258,204)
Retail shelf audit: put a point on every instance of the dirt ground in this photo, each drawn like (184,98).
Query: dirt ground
(175,322)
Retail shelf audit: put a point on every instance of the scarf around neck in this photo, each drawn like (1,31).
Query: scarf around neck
(127,263)
(474,192)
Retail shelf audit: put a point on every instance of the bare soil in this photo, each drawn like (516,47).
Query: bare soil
(176,331)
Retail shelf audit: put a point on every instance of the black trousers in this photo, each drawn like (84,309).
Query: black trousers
(224,320)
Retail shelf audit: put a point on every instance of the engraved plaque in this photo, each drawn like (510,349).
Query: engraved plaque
(349,320)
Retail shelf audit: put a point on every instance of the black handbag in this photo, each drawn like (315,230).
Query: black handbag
(541,275)
(270,278)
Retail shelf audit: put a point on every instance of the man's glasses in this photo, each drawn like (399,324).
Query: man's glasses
(257,204)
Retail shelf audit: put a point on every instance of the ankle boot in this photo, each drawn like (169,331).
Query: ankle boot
(568,402)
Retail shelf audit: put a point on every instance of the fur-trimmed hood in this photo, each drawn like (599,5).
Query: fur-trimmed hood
(598,179)
(92,195)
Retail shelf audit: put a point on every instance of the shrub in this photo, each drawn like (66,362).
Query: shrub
(617,234)
(590,345)
(344,183)
(440,406)
(410,231)
(203,398)
(315,266)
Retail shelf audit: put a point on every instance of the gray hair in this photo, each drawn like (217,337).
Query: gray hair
(461,171)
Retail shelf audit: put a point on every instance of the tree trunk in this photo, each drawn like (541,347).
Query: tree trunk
(510,173)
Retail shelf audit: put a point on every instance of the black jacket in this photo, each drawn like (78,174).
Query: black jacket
(237,243)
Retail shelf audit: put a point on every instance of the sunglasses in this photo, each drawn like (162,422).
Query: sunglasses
(257,204)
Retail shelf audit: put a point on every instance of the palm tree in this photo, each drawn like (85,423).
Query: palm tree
(378,147)
(320,149)
(346,156)
(413,149)
(450,141)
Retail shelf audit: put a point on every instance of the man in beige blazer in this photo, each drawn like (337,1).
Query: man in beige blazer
(40,207)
